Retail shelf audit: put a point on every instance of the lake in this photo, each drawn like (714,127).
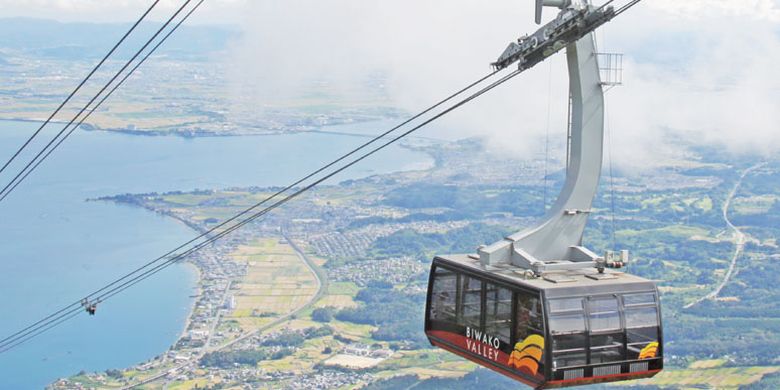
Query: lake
(55,248)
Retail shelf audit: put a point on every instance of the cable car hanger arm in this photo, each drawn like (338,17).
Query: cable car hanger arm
(555,242)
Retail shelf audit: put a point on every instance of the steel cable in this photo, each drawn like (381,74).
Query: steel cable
(124,283)
(105,97)
(3,341)
(81,84)
(16,180)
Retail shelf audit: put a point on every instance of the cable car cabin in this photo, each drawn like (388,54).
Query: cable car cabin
(561,329)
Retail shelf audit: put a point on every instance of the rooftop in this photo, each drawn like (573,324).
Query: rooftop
(556,283)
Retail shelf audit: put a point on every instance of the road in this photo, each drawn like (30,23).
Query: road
(322,284)
(739,239)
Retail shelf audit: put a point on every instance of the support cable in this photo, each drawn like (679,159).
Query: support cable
(302,190)
(4,192)
(611,182)
(73,309)
(78,87)
(105,97)
(48,326)
(626,7)
(118,286)
(609,155)
(115,87)
(547,135)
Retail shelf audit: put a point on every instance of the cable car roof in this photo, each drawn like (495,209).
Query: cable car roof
(579,282)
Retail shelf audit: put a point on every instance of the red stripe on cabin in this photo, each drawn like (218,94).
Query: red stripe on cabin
(456,344)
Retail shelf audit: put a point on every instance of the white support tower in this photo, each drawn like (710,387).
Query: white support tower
(555,242)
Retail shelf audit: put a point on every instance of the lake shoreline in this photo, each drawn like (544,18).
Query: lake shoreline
(200,229)
(88,127)
(191,134)
(130,200)
(111,163)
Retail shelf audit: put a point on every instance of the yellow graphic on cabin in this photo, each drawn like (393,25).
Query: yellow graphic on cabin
(649,351)
(527,354)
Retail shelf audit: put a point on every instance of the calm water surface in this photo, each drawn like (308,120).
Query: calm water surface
(55,247)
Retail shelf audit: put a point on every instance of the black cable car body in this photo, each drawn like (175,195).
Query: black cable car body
(538,306)
(573,328)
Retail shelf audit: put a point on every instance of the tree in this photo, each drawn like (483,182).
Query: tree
(323,314)
(114,373)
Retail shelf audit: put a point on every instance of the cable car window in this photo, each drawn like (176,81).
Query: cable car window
(602,304)
(604,321)
(529,316)
(568,304)
(569,342)
(569,359)
(606,355)
(642,343)
(567,323)
(529,333)
(498,316)
(606,348)
(470,302)
(639,299)
(444,295)
(642,325)
(603,314)
(606,340)
(641,317)
(642,335)
(567,326)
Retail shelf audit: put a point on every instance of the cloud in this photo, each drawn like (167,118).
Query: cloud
(101,11)
(704,9)
(703,70)
(700,70)
(710,77)
(425,49)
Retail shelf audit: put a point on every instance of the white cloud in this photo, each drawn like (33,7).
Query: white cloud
(428,49)
(717,82)
(100,11)
(704,9)
(696,69)
(700,69)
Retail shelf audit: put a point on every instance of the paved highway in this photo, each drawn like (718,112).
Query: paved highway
(739,240)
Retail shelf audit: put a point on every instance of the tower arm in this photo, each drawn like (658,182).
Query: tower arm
(555,242)
(558,236)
